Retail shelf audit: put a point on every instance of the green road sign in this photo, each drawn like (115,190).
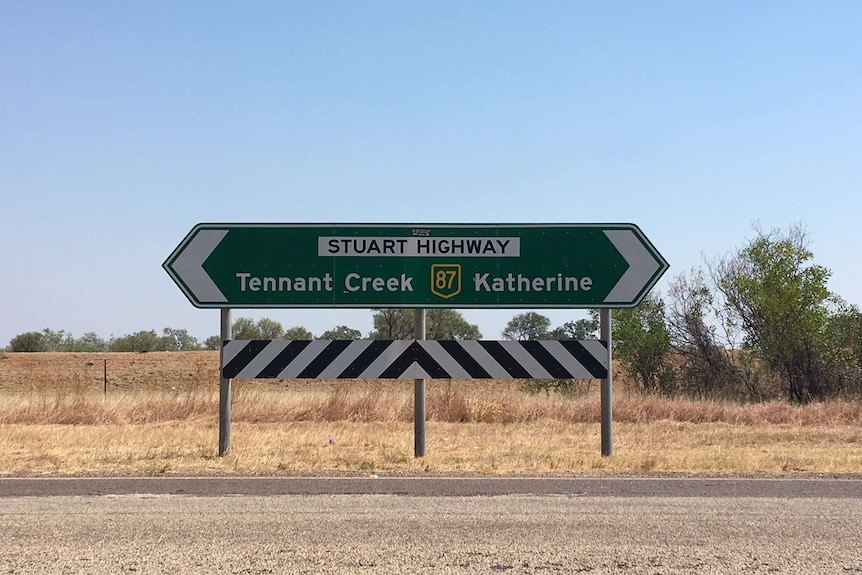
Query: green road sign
(415,265)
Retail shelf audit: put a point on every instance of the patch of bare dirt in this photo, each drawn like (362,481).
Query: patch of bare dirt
(126,371)
(48,371)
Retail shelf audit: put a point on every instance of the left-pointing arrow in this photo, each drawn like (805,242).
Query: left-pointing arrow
(188,266)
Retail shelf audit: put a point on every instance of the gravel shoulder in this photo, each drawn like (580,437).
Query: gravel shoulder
(429,534)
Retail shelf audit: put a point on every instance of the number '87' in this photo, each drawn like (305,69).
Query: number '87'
(443,279)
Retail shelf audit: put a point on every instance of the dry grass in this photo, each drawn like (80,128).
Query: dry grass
(542,447)
(148,423)
(391,402)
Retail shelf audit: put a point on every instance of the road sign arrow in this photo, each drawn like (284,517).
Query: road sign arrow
(643,265)
(188,269)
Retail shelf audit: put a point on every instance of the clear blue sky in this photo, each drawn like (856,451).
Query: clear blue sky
(124,124)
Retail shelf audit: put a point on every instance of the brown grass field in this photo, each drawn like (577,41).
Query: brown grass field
(159,415)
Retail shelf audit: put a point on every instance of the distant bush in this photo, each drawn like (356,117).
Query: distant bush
(170,340)
(29,341)
(213,342)
(139,341)
(50,340)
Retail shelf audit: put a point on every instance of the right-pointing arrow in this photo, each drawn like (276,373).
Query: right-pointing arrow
(188,266)
(642,266)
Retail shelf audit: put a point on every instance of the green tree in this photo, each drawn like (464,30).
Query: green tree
(213,342)
(50,340)
(845,335)
(392,323)
(578,330)
(245,328)
(271,329)
(439,324)
(264,328)
(449,324)
(341,332)
(526,326)
(28,342)
(179,340)
(780,299)
(298,332)
(89,342)
(56,340)
(139,341)
(641,342)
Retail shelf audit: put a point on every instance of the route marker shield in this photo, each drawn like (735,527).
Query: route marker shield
(445,280)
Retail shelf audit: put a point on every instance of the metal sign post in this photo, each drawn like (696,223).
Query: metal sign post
(419,395)
(224,390)
(607,404)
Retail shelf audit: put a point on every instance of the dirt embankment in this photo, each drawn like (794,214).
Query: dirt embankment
(125,371)
(85,372)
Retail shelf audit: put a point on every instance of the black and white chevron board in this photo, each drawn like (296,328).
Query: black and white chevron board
(409,359)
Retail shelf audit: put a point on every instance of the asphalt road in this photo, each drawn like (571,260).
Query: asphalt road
(430,525)
(437,486)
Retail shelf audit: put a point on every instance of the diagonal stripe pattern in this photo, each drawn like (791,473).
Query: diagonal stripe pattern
(408,359)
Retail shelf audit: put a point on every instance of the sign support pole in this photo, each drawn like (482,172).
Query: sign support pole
(224,389)
(607,411)
(419,395)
